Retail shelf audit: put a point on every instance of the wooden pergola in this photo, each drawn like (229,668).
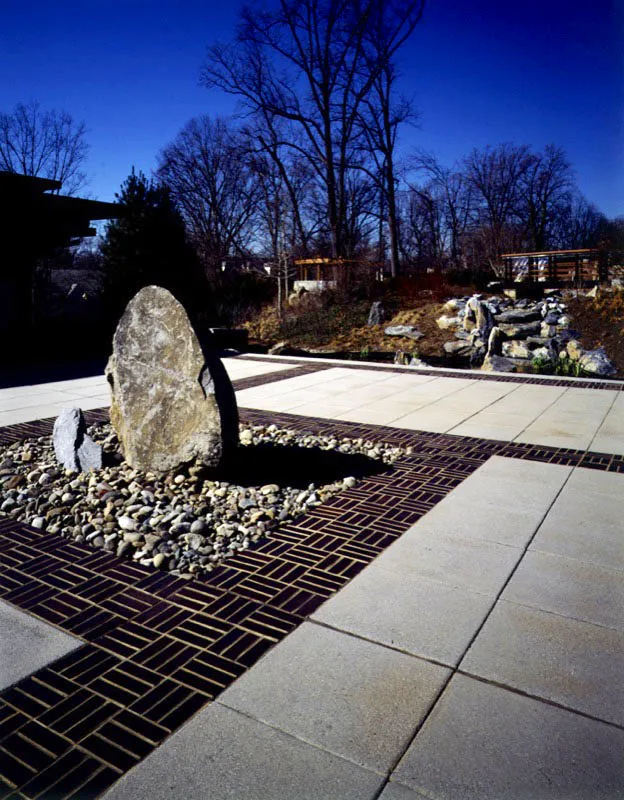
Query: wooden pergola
(557,266)
(336,270)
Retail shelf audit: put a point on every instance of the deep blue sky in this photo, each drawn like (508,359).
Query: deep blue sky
(481,72)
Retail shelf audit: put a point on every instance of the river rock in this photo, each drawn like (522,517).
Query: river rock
(72,447)
(171,401)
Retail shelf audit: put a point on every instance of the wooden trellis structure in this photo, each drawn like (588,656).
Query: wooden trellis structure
(557,266)
(337,270)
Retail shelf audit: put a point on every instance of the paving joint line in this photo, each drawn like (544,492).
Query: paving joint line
(457,668)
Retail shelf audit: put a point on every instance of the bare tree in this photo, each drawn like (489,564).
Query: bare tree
(208,173)
(545,191)
(455,203)
(45,144)
(578,224)
(309,63)
(286,184)
(380,119)
(496,175)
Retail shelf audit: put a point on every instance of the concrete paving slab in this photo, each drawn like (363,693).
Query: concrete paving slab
(224,755)
(243,368)
(526,396)
(586,400)
(497,522)
(89,391)
(398,791)
(372,413)
(482,742)
(432,418)
(493,418)
(33,399)
(404,610)
(586,527)
(576,664)
(495,433)
(32,413)
(591,481)
(527,486)
(553,475)
(28,644)
(355,699)
(568,587)
(458,561)
(605,442)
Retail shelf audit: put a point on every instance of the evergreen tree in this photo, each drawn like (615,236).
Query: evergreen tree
(147,245)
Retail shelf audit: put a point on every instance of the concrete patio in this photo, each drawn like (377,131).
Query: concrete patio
(476,649)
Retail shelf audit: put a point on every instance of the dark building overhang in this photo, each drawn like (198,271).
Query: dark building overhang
(34,223)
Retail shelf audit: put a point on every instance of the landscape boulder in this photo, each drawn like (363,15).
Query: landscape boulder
(72,447)
(498,364)
(516,349)
(446,323)
(171,401)
(459,348)
(376,315)
(409,331)
(521,330)
(519,315)
(596,362)
(453,306)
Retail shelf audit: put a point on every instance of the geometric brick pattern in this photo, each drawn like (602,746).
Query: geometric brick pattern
(157,648)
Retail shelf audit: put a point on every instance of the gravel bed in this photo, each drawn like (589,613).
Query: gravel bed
(188,521)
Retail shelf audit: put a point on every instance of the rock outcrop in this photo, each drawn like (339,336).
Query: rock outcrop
(527,331)
(409,331)
(171,402)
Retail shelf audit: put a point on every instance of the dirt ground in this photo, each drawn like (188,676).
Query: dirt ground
(600,322)
(344,328)
(341,327)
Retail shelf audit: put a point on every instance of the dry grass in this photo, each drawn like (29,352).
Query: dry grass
(336,322)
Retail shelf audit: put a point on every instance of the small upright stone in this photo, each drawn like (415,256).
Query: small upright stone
(172,403)
(376,315)
(72,447)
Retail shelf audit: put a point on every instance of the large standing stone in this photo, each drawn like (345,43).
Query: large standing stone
(72,447)
(172,403)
